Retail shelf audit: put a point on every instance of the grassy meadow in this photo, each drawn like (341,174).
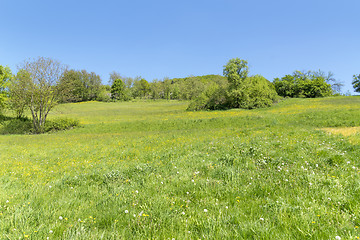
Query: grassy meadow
(151,170)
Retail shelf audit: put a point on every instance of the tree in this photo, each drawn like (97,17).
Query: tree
(5,77)
(141,88)
(17,98)
(356,83)
(236,71)
(303,84)
(80,86)
(40,88)
(119,91)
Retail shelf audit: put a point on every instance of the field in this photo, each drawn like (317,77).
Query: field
(151,170)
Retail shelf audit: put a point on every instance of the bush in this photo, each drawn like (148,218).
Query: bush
(25,125)
(255,92)
(16,126)
(309,85)
(60,124)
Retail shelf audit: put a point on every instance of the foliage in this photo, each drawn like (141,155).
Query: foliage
(78,86)
(18,100)
(236,71)
(5,77)
(21,125)
(254,92)
(303,84)
(214,98)
(141,88)
(104,94)
(119,91)
(40,90)
(356,83)
(60,124)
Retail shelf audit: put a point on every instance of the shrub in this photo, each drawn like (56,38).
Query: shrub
(309,85)
(60,124)
(255,92)
(16,126)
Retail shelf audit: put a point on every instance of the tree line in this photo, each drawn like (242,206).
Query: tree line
(41,83)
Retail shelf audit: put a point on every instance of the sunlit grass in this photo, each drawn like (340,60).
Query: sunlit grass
(151,170)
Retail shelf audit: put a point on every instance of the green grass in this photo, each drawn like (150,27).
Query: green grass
(151,170)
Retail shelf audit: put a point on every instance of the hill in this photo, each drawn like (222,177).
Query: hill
(150,169)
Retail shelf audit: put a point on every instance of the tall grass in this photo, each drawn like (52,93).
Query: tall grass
(151,170)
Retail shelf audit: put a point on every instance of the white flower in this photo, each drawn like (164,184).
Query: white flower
(50,231)
(61,218)
(226,207)
(126,211)
(338,238)
(205,210)
(162,183)
(183,213)
(187,192)
(261,219)
(137,191)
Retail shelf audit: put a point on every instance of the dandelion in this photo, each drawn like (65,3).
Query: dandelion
(126,211)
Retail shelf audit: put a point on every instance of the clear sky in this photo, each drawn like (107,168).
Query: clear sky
(165,38)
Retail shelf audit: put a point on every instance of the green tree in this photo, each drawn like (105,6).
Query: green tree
(80,86)
(5,77)
(18,100)
(236,71)
(40,88)
(141,88)
(303,84)
(356,83)
(119,91)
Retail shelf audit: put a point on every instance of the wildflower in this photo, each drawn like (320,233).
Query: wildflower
(338,238)
(183,213)
(61,218)
(205,210)
(50,231)
(137,191)
(226,207)
(262,219)
(126,211)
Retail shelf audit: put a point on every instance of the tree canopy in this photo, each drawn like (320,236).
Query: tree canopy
(5,77)
(303,84)
(356,83)
(39,90)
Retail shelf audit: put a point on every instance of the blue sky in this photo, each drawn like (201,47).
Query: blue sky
(157,39)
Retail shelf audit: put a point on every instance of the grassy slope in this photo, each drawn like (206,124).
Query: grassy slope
(152,170)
